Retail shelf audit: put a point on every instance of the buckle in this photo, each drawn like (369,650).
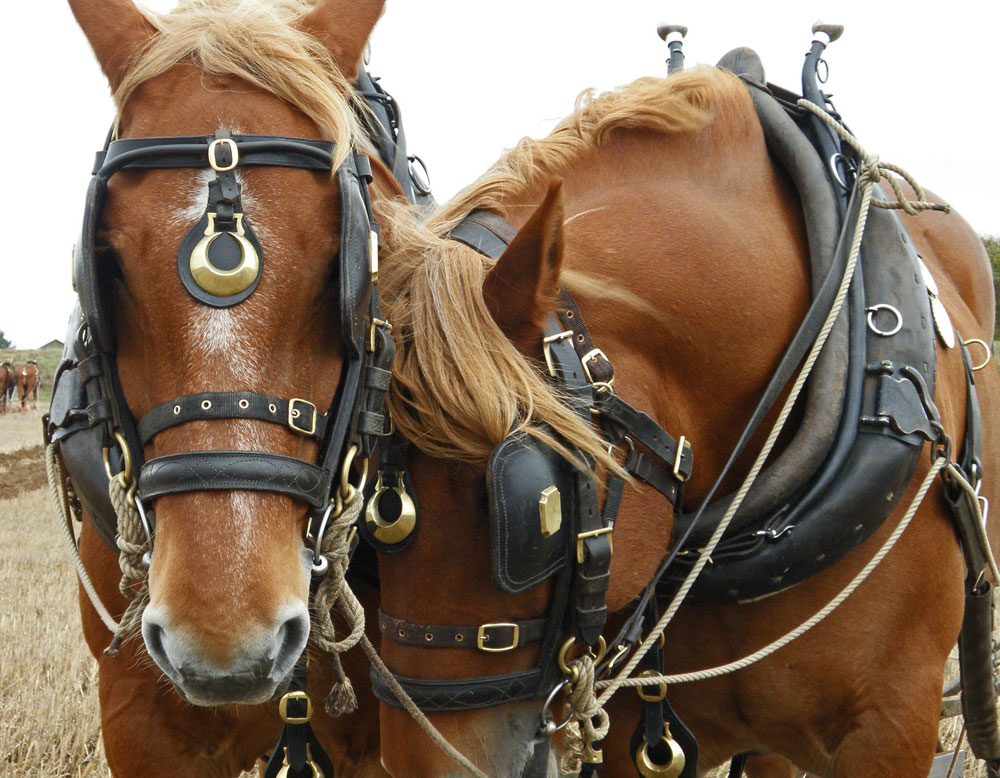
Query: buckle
(283,708)
(590,356)
(482,637)
(233,151)
(294,414)
(594,533)
(681,445)
(547,348)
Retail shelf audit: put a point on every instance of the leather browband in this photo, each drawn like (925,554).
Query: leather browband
(300,416)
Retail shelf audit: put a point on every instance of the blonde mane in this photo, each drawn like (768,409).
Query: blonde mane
(260,43)
(459,385)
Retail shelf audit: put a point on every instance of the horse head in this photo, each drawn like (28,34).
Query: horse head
(229,575)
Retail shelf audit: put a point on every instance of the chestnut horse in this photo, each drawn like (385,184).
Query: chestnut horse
(684,247)
(6,384)
(228,566)
(27,379)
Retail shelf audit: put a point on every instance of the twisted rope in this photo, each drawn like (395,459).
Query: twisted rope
(816,618)
(585,707)
(333,591)
(55,471)
(132,544)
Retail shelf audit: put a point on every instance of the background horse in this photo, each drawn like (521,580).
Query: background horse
(6,384)
(229,568)
(27,379)
(683,245)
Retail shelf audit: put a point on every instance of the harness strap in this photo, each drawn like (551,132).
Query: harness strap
(298,415)
(459,695)
(494,638)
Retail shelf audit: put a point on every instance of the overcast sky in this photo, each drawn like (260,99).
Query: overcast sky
(916,81)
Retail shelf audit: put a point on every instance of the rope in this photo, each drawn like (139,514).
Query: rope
(56,473)
(831,606)
(333,591)
(869,174)
(132,544)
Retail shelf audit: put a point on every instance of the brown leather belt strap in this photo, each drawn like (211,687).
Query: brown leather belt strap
(597,366)
(493,637)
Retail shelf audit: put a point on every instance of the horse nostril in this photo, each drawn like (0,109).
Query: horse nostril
(290,642)
(154,635)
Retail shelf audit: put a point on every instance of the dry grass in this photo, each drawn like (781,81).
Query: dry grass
(20,430)
(49,724)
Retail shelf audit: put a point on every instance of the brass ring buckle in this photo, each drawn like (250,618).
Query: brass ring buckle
(125,476)
(348,491)
(659,696)
(283,708)
(573,673)
(233,150)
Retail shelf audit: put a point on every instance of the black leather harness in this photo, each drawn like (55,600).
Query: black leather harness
(578,554)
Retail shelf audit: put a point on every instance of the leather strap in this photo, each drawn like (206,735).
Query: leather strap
(485,231)
(214,470)
(300,416)
(599,369)
(496,637)
(459,695)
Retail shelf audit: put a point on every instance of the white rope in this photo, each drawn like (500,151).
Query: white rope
(829,608)
(57,487)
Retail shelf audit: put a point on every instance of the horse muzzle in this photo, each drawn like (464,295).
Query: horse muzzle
(262,666)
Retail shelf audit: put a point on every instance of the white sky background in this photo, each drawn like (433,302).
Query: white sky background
(917,82)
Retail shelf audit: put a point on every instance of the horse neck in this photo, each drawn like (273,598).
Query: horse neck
(686,255)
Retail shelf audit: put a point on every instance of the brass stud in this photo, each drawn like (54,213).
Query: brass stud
(428,637)
(206,404)
(177,409)
(244,404)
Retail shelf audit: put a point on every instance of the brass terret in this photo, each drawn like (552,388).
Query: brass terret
(224,283)
(398,530)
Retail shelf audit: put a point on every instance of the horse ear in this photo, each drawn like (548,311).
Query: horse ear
(520,290)
(116,30)
(343,27)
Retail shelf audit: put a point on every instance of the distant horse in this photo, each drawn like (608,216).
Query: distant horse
(229,580)
(27,378)
(683,244)
(6,384)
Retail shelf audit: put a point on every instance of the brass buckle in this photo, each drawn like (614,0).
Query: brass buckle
(592,534)
(547,348)
(681,444)
(482,637)
(294,413)
(590,356)
(283,708)
(375,323)
(232,150)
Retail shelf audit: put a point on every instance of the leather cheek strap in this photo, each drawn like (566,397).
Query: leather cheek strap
(219,470)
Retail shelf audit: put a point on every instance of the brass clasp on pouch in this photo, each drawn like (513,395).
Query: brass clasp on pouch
(398,529)
(218,282)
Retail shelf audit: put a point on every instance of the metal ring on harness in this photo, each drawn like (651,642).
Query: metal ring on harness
(125,476)
(986,348)
(549,726)
(874,309)
(348,491)
(573,673)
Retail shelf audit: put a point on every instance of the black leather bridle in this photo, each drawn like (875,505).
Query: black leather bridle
(354,421)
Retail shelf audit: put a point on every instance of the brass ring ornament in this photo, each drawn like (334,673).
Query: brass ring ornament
(214,280)
(986,348)
(670,769)
(395,531)
(349,491)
